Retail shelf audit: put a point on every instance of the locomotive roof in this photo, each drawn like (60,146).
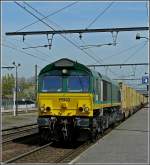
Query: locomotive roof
(64,63)
(67,63)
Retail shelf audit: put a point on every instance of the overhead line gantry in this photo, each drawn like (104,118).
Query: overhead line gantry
(8,67)
(80,31)
(132,64)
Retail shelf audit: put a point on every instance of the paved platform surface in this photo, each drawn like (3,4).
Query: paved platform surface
(10,121)
(127,143)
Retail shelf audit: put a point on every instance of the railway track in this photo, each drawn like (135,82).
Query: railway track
(52,152)
(17,132)
(18,140)
(48,153)
(27,153)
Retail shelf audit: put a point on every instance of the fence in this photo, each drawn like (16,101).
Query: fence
(7,104)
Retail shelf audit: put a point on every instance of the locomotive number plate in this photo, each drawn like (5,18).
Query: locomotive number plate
(64,99)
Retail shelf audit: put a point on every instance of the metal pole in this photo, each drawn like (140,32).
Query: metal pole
(16,90)
(14,100)
(36,85)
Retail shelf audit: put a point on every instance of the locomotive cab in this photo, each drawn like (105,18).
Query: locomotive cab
(64,96)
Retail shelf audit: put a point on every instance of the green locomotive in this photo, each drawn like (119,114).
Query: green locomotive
(75,102)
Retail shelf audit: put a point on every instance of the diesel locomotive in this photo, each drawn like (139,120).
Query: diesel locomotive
(77,103)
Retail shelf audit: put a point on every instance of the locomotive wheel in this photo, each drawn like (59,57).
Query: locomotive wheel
(101,132)
(93,136)
(124,117)
(129,114)
(107,122)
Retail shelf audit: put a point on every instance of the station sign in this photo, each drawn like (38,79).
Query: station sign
(145,80)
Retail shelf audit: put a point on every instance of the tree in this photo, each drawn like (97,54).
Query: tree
(8,83)
(26,87)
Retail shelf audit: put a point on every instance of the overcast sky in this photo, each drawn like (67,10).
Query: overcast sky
(77,15)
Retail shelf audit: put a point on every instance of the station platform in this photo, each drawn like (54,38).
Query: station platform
(127,143)
(23,118)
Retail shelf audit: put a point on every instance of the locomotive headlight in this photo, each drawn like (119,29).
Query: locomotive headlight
(81,109)
(48,108)
(86,109)
(64,71)
(42,108)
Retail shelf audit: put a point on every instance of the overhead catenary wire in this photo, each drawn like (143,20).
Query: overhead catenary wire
(99,15)
(98,45)
(51,14)
(39,46)
(123,51)
(101,59)
(137,51)
(91,50)
(60,34)
(37,51)
(71,42)
(56,25)
(52,22)
(48,19)
(35,10)
(29,54)
(38,12)
(98,57)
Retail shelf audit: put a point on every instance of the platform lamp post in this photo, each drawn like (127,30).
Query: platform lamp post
(138,37)
(16,89)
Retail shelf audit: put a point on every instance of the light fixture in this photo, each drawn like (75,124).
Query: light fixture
(138,36)
(64,71)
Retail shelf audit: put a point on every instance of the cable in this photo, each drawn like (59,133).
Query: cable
(100,59)
(55,30)
(16,48)
(37,51)
(99,15)
(123,51)
(137,51)
(52,22)
(39,46)
(91,50)
(51,14)
(92,46)
(71,41)
(61,34)
(29,54)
